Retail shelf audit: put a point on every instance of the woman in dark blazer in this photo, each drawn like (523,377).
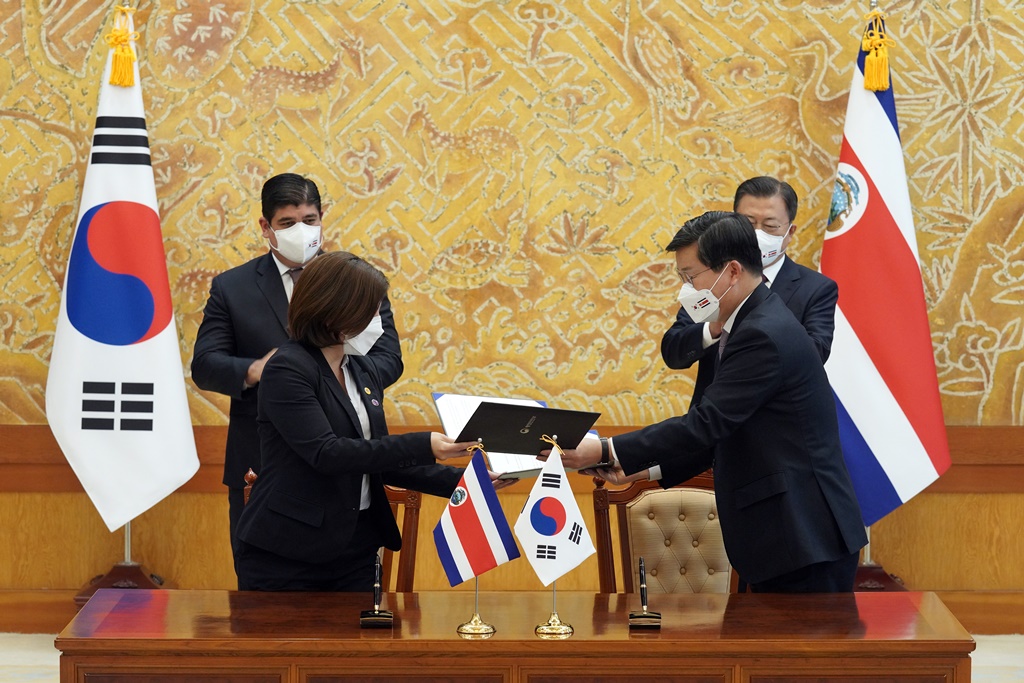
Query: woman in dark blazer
(318,513)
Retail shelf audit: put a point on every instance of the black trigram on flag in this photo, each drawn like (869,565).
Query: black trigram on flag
(100,406)
(546,552)
(551,481)
(120,140)
(575,533)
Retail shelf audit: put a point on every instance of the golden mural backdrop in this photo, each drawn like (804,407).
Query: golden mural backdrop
(516,168)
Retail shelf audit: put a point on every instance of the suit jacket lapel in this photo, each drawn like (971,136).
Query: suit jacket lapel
(337,391)
(268,279)
(371,398)
(752,302)
(787,280)
(368,394)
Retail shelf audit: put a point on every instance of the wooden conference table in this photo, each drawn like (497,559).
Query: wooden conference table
(226,637)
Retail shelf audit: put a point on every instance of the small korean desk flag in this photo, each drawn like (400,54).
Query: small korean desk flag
(550,527)
(115,394)
(473,535)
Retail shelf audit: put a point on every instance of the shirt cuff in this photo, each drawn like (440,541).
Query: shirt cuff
(706,337)
(653,474)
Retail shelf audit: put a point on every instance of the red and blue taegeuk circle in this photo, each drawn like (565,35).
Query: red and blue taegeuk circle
(117,288)
(547,517)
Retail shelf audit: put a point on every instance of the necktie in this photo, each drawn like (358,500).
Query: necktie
(764,278)
(721,343)
(294,274)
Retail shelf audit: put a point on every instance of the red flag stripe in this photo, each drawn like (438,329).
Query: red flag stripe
(474,540)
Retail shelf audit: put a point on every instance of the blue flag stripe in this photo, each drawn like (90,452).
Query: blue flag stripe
(875,492)
(444,553)
(494,505)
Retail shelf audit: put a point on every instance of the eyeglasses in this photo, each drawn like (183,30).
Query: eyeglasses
(687,278)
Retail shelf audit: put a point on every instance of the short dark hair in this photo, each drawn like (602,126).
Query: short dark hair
(288,189)
(721,236)
(338,294)
(766,186)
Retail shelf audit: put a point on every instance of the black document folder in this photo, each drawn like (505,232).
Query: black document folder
(509,428)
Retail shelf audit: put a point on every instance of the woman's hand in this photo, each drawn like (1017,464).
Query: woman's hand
(499,484)
(444,447)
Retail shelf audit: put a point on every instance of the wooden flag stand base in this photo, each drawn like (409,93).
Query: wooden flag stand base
(121,575)
(125,574)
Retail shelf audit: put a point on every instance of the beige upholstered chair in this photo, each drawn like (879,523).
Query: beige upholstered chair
(676,531)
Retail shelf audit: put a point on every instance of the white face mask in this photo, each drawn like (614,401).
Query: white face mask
(700,304)
(771,246)
(299,243)
(360,344)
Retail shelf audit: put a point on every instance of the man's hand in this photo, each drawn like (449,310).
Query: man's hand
(586,454)
(615,475)
(255,372)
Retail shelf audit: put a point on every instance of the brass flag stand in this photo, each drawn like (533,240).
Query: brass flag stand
(555,628)
(476,628)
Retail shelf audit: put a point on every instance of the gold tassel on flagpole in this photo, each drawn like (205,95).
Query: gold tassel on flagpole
(122,66)
(876,43)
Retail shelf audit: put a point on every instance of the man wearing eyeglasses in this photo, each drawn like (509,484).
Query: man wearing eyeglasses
(770,205)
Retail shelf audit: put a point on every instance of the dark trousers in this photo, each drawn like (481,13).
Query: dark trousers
(836,576)
(351,572)
(236,502)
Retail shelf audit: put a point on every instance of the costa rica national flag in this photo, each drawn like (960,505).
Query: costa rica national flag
(882,366)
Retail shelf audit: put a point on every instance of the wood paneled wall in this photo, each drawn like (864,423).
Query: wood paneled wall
(961,534)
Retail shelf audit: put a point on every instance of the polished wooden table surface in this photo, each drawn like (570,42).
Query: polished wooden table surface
(167,635)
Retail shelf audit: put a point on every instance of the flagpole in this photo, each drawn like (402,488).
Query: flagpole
(128,542)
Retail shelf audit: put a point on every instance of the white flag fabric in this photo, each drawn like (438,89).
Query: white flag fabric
(550,528)
(115,394)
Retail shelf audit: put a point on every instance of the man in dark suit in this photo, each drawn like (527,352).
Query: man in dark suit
(246,318)
(767,423)
(771,206)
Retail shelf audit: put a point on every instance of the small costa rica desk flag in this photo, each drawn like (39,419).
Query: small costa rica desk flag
(473,535)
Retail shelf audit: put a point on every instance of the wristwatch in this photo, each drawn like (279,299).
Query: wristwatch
(606,454)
